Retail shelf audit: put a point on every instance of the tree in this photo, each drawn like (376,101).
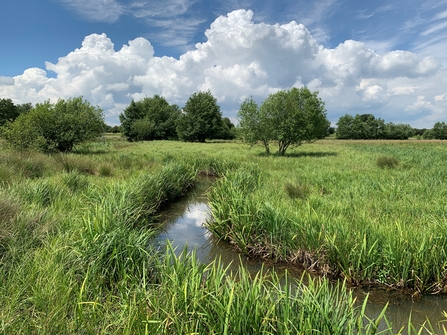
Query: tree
(24,108)
(360,127)
(55,127)
(439,131)
(289,117)
(150,119)
(398,131)
(201,118)
(227,131)
(8,111)
(253,124)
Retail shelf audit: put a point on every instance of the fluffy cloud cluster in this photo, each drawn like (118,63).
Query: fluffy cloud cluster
(240,59)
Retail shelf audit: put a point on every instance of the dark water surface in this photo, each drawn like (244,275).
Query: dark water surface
(184,227)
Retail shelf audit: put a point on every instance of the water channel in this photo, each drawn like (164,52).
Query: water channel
(183,227)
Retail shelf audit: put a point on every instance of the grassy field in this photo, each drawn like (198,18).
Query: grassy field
(75,231)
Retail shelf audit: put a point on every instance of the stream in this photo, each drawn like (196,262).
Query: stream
(183,227)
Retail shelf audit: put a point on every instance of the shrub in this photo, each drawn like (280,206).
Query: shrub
(55,127)
(385,162)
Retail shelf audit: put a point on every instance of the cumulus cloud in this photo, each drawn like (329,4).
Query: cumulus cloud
(6,81)
(239,59)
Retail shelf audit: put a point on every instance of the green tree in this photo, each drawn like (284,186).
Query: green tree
(55,127)
(228,130)
(8,111)
(201,118)
(254,126)
(439,131)
(288,117)
(24,108)
(344,127)
(150,119)
(360,127)
(398,131)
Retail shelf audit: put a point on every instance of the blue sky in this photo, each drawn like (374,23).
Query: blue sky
(383,57)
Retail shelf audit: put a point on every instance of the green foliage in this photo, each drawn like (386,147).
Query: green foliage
(150,119)
(24,108)
(113,130)
(228,130)
(253,124)
(294,191)
(70,163)
(8,111)
(289,117)
(398,131)
(360,127)
(387,162)
(367,127)
(438,132)
(105,170)
(201,118)
(76,257)
(55,127)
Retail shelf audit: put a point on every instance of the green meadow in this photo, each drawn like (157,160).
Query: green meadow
(76,230)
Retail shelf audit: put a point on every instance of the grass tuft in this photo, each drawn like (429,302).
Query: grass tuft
(69,163)
(105,170)
(297,191)
(387,162)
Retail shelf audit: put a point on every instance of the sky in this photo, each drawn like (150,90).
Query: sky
(386,58)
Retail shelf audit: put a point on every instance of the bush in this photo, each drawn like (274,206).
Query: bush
(384,162)
(52,128)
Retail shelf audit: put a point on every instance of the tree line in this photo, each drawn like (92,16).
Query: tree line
(155,119)
(285,118)
(368,127)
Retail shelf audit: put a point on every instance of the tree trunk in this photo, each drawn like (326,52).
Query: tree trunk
(282,148)
(266,146)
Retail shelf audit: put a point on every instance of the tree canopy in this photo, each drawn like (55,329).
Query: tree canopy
(150,119)
(289,117)
(201,118)
(55,127)
(438,132)
(8,111)
(367,127)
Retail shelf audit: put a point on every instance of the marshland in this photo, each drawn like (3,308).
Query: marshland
(77,237)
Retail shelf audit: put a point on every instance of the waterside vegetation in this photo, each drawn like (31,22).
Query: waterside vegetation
(75,232)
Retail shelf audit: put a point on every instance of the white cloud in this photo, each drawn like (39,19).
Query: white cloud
(239,59)
(96,10)
(6,81)
(404,90)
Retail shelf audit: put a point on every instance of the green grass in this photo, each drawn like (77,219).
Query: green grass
(346,216)
(75,233)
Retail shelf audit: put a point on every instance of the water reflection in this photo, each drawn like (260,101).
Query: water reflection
(184,227)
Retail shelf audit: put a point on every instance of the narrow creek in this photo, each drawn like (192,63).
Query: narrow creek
(183,228)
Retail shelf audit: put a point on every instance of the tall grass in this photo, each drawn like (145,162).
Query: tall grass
(76,254)
(354,220)
(193,298)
